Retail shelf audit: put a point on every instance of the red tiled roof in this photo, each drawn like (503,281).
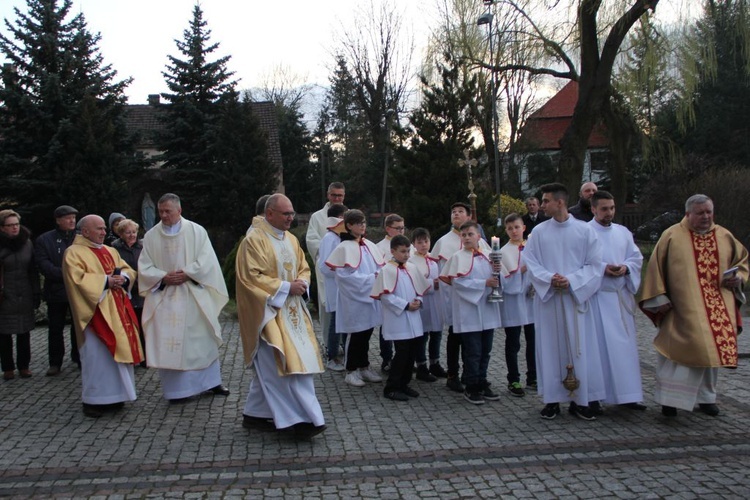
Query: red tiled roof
(545,127)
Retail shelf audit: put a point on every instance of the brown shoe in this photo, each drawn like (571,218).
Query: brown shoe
(53,371)
(9,375)
(25,373)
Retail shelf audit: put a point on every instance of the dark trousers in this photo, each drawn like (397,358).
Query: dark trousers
(453,353)
(56,313)
(23,352)
(401,366)
(513,346)
(430,344)
(386,348)
(357,348)
(477,347)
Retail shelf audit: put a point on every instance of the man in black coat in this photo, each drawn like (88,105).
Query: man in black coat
(582,209)
(48,252)
(533,217)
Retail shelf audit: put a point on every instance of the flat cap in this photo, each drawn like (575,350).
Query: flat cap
(64,210)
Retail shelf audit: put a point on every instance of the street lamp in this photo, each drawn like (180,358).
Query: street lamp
(487,19)
(388,117)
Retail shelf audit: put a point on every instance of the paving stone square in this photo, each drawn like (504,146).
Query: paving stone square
(435,446)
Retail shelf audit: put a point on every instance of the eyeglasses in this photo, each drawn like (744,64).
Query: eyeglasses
(397,228)
(335,195)
(286,214)
(363,223)
(13,224)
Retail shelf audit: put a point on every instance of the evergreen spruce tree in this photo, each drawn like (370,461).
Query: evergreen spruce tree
(61,116)
(196,85)
(426,177)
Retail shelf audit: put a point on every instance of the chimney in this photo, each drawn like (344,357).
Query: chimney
(154,99)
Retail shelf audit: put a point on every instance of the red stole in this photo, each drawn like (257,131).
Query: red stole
(706,252)
(124,310)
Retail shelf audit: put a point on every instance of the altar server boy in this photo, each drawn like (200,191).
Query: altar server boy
(399,287)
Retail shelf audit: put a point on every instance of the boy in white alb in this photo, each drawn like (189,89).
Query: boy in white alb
(445,247)
(334,227)
(517,307)
(472,276)
(431,311)
(399,287)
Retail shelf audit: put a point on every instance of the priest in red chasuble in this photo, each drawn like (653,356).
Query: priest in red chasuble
(98,282)
(692,292)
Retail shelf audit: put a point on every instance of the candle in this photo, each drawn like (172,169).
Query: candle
(495,243)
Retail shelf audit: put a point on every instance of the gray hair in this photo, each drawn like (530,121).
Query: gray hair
(696,199)
(170,197)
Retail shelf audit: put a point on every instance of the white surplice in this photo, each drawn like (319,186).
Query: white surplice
(432,303)
(396,287)
(565,323)
(517,307)
(356,266)
(468,272)
(614,307)
(444,248)
(329,242)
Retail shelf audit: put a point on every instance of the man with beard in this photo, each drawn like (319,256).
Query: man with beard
(582,209)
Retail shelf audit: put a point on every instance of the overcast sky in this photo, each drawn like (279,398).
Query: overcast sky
(137,35)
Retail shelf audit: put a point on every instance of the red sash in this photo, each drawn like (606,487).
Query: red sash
(706,252)
(124,310)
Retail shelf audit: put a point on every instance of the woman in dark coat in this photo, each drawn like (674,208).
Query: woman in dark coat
(129,247)
(20,284)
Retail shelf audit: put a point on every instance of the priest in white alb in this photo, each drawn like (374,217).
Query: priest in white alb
(278,339)
(564,258)
(97,282)
(614,305)
(692,291)
(180,278)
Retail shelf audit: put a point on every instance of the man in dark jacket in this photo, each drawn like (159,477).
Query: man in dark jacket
(533,217)
(582,209)
(48,252)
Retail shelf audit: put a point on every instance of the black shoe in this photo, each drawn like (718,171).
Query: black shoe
(306,430)
(634,406)
(144,364)
(531,384)
(423,374)
(596,408)
(550,411)
(454,384)
(114,407)
(490,395)
(385,367)
(220,390)
(410,392)
(438,371)
(93,411)
(474,398)
(396,396)
(259,423)
(582,412)
(53,371)
(709,409)
(516,390)
(669,411)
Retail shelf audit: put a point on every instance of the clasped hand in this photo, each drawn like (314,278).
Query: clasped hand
(175,278)
(560,282)
(297,287)
(116,281)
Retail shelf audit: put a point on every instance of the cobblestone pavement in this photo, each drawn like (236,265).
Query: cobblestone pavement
(436,446)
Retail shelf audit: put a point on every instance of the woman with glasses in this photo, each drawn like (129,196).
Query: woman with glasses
(357,262)
(19,282)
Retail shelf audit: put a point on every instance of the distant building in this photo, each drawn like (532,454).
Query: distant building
(539,142)
(144,120)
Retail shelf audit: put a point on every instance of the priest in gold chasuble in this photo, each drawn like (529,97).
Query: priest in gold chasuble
(97,282)
(277,333)
(692,292)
